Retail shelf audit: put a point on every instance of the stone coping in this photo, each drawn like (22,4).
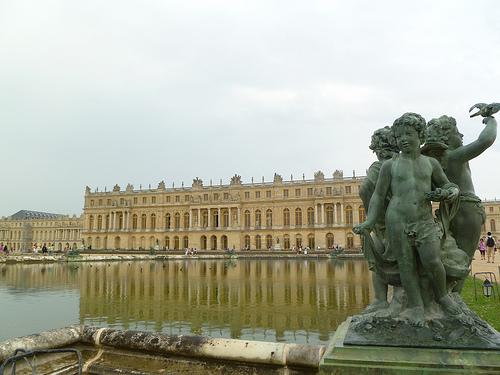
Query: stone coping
(21,258)
(246,351)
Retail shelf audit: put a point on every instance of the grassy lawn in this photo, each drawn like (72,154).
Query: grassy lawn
(487,308)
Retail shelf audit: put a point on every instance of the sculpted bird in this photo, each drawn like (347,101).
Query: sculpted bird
(485,110)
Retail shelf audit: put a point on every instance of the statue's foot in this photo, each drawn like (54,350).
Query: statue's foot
(414,316)
(376,306)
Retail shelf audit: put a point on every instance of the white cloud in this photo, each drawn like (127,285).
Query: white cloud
(97,93)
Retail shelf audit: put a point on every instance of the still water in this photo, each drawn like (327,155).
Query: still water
(293,300)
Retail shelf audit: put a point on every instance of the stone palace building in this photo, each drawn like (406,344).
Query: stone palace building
(254,216)
(276,215)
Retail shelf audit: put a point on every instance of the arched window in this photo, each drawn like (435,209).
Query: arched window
(225,218)
(286,217)
(310,216)
(310,241)
(269,218)
(223,242)
(167,242)
(350,241)
(134,221)
(186,221)
(258,218)
(247,242)
(167,221)
(153,221)
(204,219)
(213,242)
(215,218)
(338,219)
(258,243)
(329,214)
(298,240)
(108,221)
(176,243)
(91,222)
(177,220)
(348,215)
(286,242)
(203,242)
(247,219)
(269,242)
(143,221)
(493,225)
(330,240)
(362,214)
(99,222)
(120,220)
(185,242)
(298,217)
(97,243)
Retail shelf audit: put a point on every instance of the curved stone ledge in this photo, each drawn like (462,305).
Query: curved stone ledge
(270,353)
(52,339)
(245,351)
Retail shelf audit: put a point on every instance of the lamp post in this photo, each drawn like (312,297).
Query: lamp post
(487,288)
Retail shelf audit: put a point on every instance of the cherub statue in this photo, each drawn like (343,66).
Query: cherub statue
(444,142)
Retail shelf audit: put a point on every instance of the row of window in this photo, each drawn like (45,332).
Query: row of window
(103,222)
(211,243)
(217,196)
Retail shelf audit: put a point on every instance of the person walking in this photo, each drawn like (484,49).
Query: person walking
(482,248)
(490,246)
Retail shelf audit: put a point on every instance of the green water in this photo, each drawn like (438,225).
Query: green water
(293,300)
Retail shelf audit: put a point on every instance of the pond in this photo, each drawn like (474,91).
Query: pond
(285,300)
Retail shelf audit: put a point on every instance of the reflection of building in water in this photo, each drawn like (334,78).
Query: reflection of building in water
(292,296)
(258,215)
(26,228)
(50,276)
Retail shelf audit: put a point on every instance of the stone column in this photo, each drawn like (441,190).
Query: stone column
(316,216)
(335,213)
(208,222)
(239,217)
(190,218)
(199,218)
(323,213)
(230,216)
(218,218)
(342,213)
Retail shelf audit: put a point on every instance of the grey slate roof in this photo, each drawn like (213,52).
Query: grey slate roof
(34,215)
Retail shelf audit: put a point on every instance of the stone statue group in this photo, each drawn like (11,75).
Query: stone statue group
(424,254)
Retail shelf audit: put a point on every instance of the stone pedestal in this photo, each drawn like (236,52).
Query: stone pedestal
(343,359)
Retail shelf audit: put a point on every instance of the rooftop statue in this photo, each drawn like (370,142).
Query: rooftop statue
(235,180)
(197,183)
(413,250)
(277,178)
(319,176)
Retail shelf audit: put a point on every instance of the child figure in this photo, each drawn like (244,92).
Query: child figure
(410,226)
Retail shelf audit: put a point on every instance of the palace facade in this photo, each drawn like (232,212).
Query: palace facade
(276,215)
(24,229)
(253,216)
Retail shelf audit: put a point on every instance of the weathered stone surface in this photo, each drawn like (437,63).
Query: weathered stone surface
(45,340)
(360,360)
(248,351)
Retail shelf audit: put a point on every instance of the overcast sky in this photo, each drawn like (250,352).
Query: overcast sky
(103,92)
